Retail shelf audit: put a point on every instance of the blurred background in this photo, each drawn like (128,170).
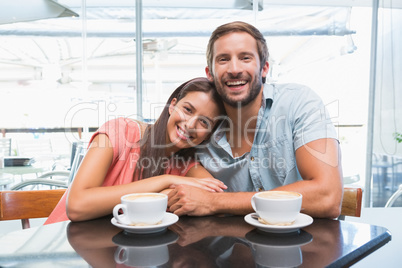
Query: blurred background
(68,66)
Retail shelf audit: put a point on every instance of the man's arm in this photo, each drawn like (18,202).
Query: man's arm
(319,165)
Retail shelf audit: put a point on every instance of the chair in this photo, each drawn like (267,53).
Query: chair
(41,150)
(27,205)
(77,147)
(5,146)
(394,197)
(34,147)
(351,202)
(387,168)
(79,153)
(59,179)
(351,179)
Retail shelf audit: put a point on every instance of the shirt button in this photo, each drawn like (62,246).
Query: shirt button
(260,189)
(252,158)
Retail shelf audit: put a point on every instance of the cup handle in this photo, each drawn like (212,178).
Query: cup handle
(120,255)
(253,203)
(120,217)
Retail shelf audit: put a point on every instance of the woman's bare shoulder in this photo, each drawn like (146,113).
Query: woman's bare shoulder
(143,126)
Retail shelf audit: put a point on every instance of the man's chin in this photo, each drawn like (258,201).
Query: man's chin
(237,102)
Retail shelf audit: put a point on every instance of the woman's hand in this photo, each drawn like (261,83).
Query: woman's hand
(209,184)
(198,176)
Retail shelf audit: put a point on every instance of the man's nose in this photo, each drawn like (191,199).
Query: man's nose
(235,67)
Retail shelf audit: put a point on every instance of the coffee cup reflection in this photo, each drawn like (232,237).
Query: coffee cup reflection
(138,250)
(278,250)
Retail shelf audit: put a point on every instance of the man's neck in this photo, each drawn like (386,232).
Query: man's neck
(242,125)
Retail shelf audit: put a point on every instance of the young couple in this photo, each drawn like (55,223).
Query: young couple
(268,136)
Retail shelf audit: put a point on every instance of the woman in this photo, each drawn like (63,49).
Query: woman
(127,156)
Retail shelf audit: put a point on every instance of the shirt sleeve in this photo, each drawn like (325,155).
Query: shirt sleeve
(311,120)
(124,135)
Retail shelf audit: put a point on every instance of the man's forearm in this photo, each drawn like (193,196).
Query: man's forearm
(236,203)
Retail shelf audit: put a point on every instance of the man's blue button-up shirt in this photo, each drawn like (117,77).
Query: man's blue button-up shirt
(290,116)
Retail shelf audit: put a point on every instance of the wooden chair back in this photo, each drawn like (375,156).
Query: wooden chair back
(27,205)
(351,202)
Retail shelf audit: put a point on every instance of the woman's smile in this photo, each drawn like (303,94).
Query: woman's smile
(182,134)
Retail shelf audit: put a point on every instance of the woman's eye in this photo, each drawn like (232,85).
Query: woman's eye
(186,109)
(204,123)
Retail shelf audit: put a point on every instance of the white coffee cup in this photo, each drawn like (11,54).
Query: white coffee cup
(141,209)
(277,207)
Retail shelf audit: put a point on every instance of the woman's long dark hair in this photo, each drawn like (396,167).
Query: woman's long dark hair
(153,144)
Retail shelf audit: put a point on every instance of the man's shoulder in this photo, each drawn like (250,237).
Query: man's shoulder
(288,92)
(287,87)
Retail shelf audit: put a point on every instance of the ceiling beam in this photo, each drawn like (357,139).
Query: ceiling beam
(335,3)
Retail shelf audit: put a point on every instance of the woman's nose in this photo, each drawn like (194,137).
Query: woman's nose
(191,122)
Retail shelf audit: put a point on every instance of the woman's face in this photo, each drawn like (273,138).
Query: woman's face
(191,120)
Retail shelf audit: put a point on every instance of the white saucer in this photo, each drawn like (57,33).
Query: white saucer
(301,221)
(167,220)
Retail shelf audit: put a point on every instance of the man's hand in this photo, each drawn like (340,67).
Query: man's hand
(194,201)
(190,200)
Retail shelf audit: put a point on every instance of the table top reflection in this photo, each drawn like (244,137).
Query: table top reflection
(192,242)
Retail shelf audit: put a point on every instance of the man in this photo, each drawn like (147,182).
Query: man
(277,136)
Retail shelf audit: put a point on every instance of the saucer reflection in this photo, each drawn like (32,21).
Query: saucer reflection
(278,250)
(143,250)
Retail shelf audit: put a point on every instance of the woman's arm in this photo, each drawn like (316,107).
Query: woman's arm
(88,199)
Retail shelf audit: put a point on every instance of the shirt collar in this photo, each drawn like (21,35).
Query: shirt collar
(268,95)
(219,133)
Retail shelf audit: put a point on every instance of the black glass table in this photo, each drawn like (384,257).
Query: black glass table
(191,242)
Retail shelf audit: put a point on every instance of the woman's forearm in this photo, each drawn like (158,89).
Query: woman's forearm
(99,201)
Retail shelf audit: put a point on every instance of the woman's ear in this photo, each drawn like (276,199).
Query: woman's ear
(172,105)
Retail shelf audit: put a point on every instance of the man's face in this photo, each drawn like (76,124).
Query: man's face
(236,68)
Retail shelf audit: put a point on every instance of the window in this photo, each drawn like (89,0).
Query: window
(79,71)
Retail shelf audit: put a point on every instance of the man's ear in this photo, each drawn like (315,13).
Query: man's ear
(209,74)
(172,105)
(265,69)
